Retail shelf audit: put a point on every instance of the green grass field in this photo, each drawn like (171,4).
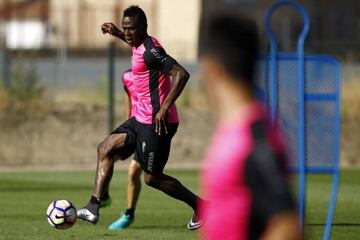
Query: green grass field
(24,197)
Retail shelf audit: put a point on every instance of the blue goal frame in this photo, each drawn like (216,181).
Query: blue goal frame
(269,92)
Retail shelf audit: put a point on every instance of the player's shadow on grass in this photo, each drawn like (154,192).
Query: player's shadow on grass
(334,224)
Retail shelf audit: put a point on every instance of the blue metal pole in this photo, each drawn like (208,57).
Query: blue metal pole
(273,82)
(301,112)
(301,91)
(335,182)
(301,135)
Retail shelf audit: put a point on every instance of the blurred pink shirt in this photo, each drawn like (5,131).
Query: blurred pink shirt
(224,177)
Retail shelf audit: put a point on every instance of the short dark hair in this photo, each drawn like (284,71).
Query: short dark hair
(234,41)
(136,11)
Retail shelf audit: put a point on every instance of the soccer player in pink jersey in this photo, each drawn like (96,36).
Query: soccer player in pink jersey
(244,174)
(158,81)
(134,171)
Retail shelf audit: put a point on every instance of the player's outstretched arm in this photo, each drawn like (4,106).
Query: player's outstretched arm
(179,79)
(113,30)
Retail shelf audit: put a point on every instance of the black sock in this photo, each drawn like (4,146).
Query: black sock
(130,212)
(93,205)
(105,196)
(172,187)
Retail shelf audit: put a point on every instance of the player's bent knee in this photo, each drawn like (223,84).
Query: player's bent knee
(152,181)
(102,150)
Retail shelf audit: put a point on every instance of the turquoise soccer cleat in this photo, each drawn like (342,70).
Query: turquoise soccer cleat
(122,223)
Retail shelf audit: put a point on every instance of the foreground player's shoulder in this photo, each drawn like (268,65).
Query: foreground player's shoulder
(153,50)
(266,173)
(152,42)
(156,57)
(264,159)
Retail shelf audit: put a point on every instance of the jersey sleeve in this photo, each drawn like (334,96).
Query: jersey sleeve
(157,58)
(268,183)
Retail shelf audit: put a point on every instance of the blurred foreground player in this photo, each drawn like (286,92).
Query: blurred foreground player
(244,173)
(158,80)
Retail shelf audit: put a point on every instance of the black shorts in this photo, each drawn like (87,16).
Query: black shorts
(128,127)
(153,150)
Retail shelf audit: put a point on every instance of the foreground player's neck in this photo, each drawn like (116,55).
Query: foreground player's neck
(232,99)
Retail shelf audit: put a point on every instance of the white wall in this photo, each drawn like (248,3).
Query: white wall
(25,34)
(178,24)
(174,23)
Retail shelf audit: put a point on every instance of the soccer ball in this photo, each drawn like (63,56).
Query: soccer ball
(61,214)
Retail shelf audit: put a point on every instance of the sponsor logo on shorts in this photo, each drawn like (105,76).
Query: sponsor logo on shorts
(150,161)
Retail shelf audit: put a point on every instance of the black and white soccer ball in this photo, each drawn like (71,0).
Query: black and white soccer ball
(61,214)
